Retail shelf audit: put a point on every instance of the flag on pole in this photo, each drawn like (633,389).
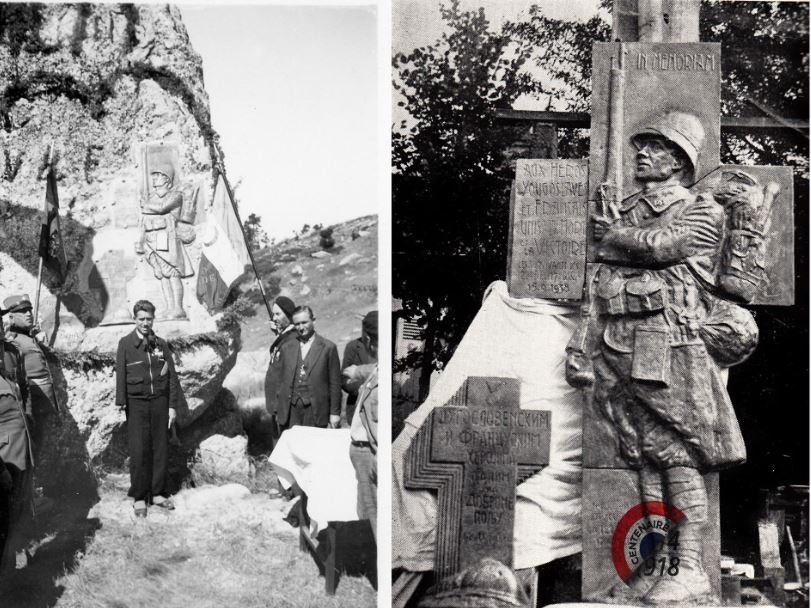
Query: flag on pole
(224,256)
(51,247)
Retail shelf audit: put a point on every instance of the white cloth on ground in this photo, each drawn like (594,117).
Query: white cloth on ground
(318,460)
(516,338)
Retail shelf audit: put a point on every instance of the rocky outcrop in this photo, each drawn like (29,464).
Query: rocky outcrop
(223,460)
(95,83)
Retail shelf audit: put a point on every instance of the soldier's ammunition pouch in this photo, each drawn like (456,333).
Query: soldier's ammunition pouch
(618,295)
(156,222)
(610,296)
(646,294)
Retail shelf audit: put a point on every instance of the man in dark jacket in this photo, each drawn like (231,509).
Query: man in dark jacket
(282,311)
(15,449)
(310,377)
(148,388)
(359,352)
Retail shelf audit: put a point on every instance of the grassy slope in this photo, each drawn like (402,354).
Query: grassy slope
(213,551)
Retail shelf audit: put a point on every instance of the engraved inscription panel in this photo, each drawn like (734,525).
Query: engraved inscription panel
(547,255)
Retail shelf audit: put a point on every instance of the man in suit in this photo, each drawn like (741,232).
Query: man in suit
(359,352)
(282,311)
(310,378)
(148,389)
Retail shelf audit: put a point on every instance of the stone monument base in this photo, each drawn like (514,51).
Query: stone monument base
(617,540)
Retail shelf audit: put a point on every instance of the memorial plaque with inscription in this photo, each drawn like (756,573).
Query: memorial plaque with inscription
(548,212)
(474,451)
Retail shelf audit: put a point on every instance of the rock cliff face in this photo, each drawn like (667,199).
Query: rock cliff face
(97,82)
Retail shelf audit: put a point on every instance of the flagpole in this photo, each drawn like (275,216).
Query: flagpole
(221,170)
(36,298)
(39,272)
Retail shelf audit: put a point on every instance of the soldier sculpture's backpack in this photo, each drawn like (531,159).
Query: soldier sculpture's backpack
(748,206)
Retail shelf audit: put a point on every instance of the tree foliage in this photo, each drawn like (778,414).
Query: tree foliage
(764,68)
(255,235)
(451,178)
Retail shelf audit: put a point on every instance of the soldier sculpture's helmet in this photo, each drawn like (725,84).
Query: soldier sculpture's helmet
(683,129)
(488,584)
(163,167)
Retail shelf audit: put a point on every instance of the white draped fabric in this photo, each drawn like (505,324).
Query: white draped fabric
(318,460)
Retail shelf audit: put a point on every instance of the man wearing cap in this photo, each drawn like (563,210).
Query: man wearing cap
(160,240)
(22,333)
(359,352)
(646,349)
(282,311)
(309,378)
(15,449)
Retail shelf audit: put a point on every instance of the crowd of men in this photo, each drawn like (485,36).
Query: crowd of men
(303,387)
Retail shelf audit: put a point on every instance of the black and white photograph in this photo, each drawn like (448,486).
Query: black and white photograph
(599,303)
(188,286)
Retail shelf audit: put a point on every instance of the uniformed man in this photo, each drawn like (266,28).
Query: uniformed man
(15,450)
(160,241)
(651,347)
(29,340)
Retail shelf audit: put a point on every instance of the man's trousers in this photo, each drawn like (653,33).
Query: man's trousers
(365,464)
(148,436)
(301,414)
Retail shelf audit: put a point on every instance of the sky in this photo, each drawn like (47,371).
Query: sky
(293,96)
(417,22)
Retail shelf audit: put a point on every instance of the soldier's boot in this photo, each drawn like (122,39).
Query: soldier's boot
(177,311)
(685,579)
(168,300)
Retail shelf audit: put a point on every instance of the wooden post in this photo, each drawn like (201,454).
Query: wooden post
(655,21)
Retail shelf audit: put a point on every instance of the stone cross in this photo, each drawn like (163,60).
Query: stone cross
(474,451)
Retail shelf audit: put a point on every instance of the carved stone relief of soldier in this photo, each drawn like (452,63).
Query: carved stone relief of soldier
(166,224)
(662,326)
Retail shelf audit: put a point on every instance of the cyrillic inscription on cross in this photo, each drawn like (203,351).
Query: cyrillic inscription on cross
(474,451)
